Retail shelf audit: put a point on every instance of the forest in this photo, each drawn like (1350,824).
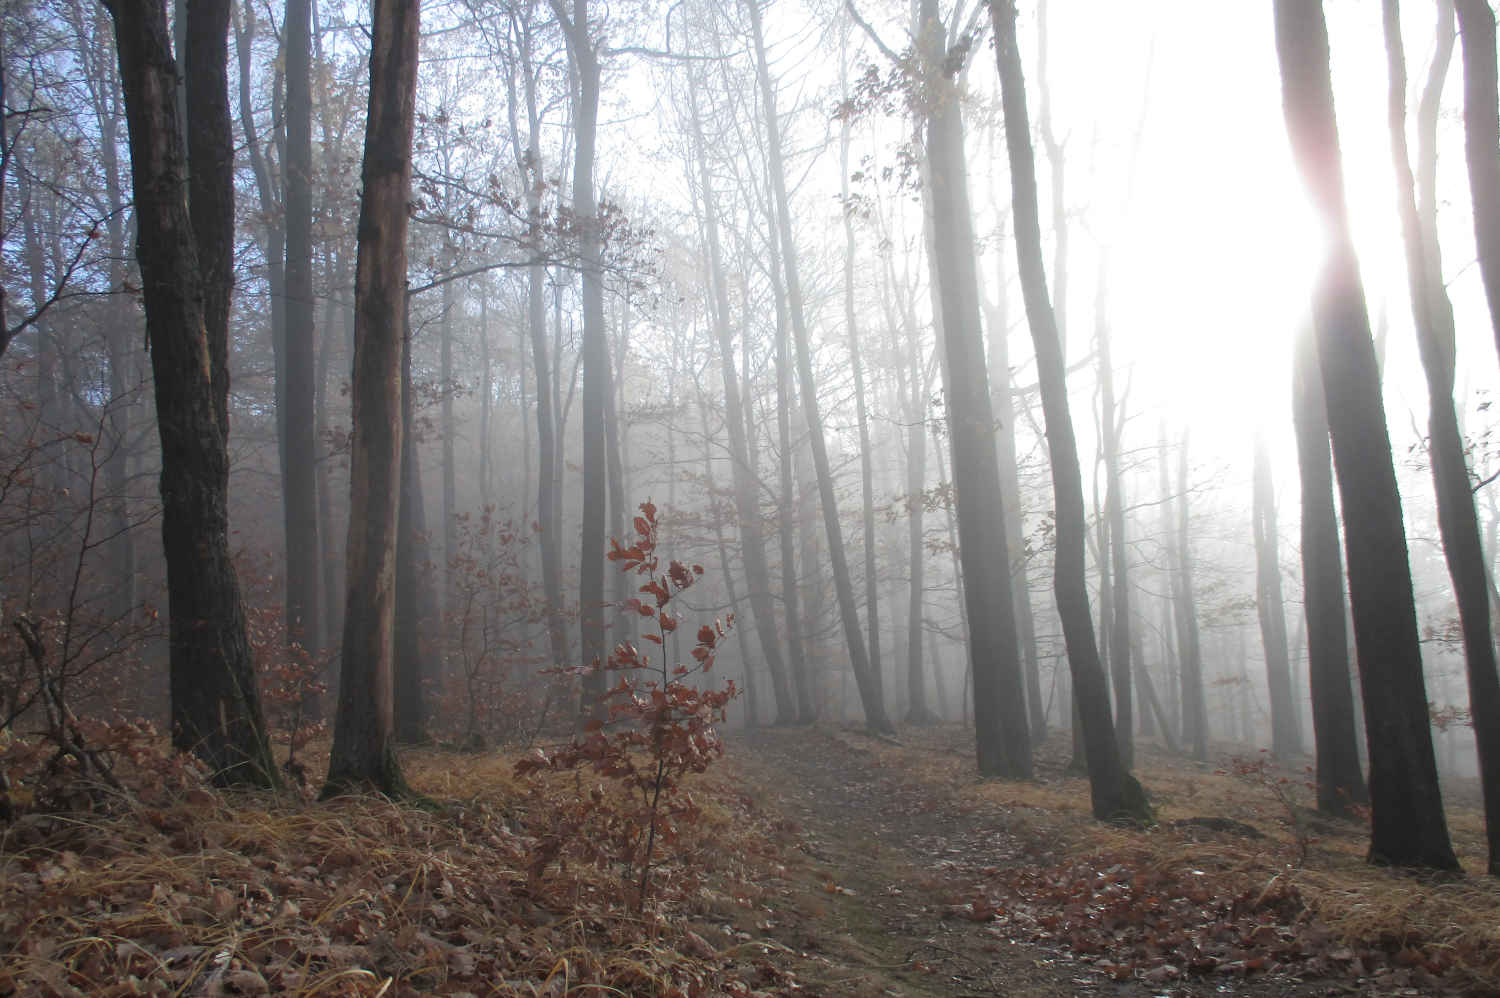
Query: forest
(749,497)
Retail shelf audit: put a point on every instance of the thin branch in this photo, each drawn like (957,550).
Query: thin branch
(865,26)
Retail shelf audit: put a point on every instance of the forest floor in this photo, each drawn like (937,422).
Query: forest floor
(820,862)
(916,877)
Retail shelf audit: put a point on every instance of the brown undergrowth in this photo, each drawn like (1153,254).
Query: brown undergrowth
(1239,878)
(196,892)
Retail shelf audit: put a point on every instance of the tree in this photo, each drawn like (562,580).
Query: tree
(363,754)
(862,417)
(1115,793)
(299,446)
(1458,522)
(1408,827)
(1476,27)
(1286,740)
(1340,782)
(868,680)
(583,49)
(1003,742)
(1185,606)
(529,163)
(746,488)
(1116,579)
(215,704)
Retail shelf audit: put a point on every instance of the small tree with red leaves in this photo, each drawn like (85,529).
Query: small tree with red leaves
(658,726)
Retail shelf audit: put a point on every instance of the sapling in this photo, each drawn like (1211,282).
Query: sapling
(657,726)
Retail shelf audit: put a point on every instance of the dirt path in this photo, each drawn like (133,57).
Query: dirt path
(877,897)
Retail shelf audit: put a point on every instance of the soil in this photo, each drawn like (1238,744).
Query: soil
(872,899)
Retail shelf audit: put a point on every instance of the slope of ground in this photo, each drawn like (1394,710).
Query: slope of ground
(948,884)
(819,862)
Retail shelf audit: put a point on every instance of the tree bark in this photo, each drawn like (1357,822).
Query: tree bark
(215,708)
(1408,827)
(1115,794)
(363,754)
(1458,521)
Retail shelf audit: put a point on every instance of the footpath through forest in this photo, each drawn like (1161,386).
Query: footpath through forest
(913,877)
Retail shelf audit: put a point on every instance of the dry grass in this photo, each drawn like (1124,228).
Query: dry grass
(1378,915)
(200,892)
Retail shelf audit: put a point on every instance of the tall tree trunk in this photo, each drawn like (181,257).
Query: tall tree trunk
(1119,583)
(118,342)
(335,313)
(412,668)
(1458,522)
(615,471)
(1003,743)
(870,691)
(528,162)
(448,430)
(1476,27)
(913,405)
(1340,782)
(1285,743)
(787,514)
(584,54)
(363,754)
(299,460)
(752,691)
(1408,827)
(1189,645)
(1115,793)
(1004,411)
(486,397)
(215,708)
(866,457)
(1058,173)
(746,486)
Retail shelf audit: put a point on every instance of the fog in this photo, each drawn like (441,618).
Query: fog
(1178,239)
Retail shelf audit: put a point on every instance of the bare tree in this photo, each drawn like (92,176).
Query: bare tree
(299,462)
(215,704)
(869,681)
(1003,742)
(363,754)
(1286,741)
(1476,27)
(1458,522)
(1115,793)
(1408,827)
(746,488)
(1340,782)
(583,49)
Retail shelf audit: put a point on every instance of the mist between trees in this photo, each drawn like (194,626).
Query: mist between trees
(1059,371)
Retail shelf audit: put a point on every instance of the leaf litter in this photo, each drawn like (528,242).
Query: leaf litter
(788,884)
